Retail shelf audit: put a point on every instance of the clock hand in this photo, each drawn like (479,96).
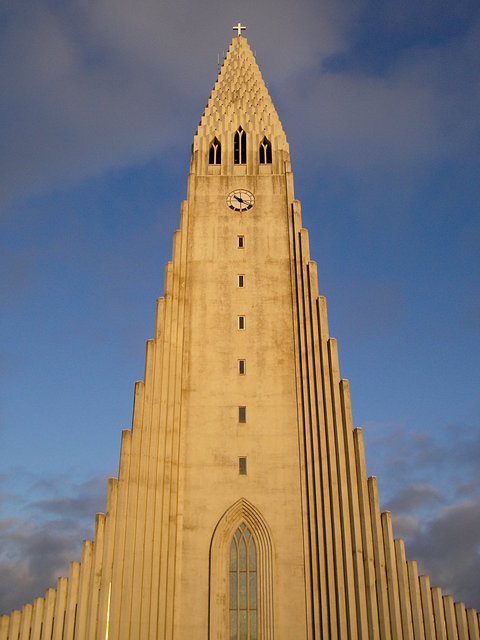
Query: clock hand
(239,199)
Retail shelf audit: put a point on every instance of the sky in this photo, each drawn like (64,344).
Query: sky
(99,102)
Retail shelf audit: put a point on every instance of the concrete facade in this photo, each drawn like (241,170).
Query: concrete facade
(242,421)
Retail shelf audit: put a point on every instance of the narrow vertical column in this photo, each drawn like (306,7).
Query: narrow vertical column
(165,459)
(392,578)
(108,542)
(130,522)
(119,542)
(150,572)
(4,622)
(461,618)
(313,424)
(379,555)
(174,556)
(329,482)
(96,575)
(60,607)
(151,468)
(14,626)
(83,590)
(367,538)
(353,498)
(405,608)
(319,452)
(414,587)
(345,525)
(37,618)
(141,532)
(48,613)
(176,510)
(472,622)
(317,617)
(438,614)
(450,622)
(156,572)
(427,607)
(72,600)
(26,624)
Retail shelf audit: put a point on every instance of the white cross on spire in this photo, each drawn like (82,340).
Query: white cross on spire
(239,27)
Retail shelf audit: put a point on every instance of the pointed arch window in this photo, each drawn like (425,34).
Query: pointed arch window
(243,585)
(215,152)
(240,147)
(265,151)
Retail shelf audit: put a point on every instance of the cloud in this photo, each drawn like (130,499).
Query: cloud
(83,502)
(93,86)
(438,513)
(423,109)
(414,497)
(448,549)
(450,456)
(37,545)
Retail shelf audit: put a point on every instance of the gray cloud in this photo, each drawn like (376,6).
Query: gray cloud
(32,557)
(37,545)
(451,457)
(92,86)
(415,497)
(442,534)
(448,549)
(83,501)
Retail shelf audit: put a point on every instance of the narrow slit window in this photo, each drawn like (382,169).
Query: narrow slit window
(241,281)
(241,322)
(242,367)
(215,152)
(240,147)
(241,242)
(242,465)
(265,151)
(242,414)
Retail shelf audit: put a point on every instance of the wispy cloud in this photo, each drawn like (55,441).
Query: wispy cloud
(37,545)
(438,513)
(447,548)
(93,86)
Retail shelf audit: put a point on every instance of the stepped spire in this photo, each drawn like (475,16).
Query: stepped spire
(240,98)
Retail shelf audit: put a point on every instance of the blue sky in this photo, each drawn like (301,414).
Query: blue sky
(98,107)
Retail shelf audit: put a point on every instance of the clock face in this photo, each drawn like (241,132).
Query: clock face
(240,200)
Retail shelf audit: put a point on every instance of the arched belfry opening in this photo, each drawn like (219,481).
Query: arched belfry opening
(241,576)
(240,147)
(215,152)
(265,151)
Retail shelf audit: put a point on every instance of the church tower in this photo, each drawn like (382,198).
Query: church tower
(242,510)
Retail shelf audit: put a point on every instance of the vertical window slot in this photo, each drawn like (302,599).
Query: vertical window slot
(242,465)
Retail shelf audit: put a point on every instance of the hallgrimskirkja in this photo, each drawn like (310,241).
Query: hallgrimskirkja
(242,508)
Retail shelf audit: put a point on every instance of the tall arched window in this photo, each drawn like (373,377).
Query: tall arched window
(215,153)
(240,147)
(243,585)
(265,151)
(241,554)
